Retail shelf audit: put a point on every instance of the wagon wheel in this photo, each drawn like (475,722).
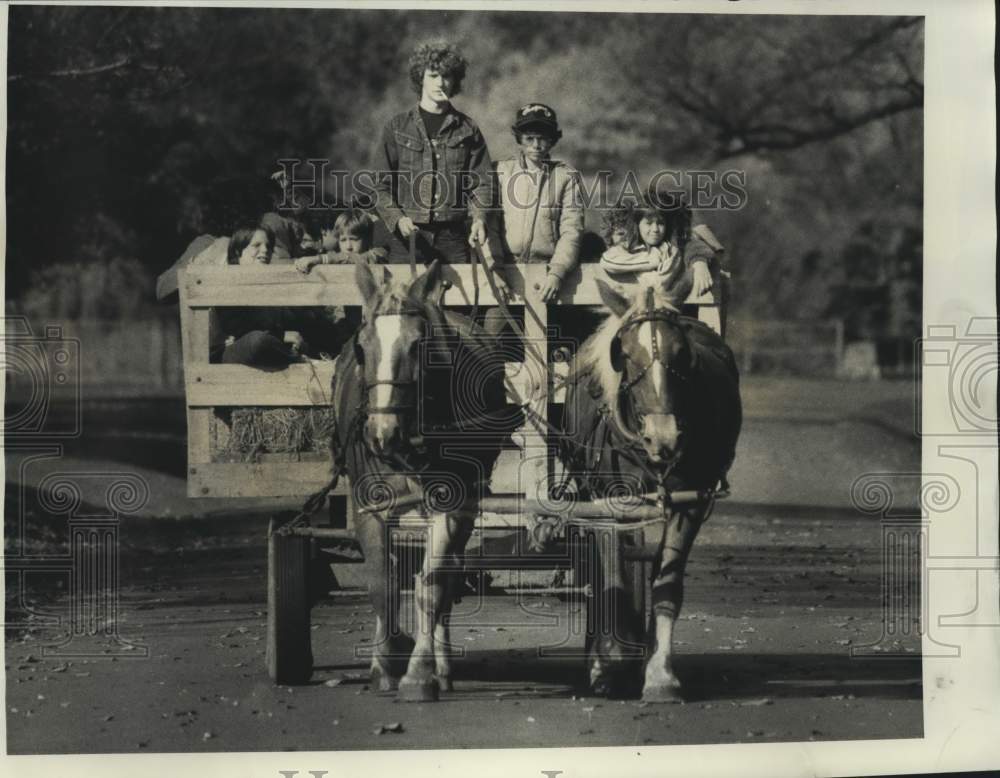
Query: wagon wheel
(289,649)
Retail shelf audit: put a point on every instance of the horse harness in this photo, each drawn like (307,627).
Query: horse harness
(653,314)
(368,386)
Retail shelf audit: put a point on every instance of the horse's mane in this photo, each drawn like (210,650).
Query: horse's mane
(594,356)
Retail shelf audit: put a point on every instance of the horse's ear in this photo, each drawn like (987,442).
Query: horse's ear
(368,282)
(426,284)
(617,303)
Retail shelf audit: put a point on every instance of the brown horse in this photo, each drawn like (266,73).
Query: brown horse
(421,409)
(655,405)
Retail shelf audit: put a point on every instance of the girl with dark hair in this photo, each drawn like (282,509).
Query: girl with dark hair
(658,238)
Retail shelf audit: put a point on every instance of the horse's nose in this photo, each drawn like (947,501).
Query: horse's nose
(661,436)
(383,431)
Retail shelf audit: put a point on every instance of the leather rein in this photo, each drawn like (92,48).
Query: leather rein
(652,314)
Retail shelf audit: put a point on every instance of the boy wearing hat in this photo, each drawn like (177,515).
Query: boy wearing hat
(540,213)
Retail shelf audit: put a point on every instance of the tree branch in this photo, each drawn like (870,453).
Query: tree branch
(785,137)
(124,62)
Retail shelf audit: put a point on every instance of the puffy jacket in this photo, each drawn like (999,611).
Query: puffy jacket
(406,163)
(552,201)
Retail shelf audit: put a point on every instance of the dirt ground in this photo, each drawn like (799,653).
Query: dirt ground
(782,638)
(774,608)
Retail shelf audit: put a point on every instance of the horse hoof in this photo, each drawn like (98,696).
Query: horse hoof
(419,691)
(614,686)
(382,681)
(666,693)
(444,683)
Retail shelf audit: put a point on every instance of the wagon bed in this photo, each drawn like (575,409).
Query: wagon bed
(210,387)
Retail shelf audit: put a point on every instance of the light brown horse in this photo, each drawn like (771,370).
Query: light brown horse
(421,408)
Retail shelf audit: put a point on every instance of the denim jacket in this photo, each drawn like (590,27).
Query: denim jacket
(404,164)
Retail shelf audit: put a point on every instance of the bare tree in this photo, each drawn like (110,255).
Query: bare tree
(753,84)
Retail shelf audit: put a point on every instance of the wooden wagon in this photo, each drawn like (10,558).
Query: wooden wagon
(213,391)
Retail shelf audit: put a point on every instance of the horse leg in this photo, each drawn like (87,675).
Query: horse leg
(429,593)
(660,683)
(459,529)
(613,648)
(383,593)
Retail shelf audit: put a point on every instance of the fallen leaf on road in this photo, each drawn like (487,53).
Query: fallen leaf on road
(757,703)
(333,682)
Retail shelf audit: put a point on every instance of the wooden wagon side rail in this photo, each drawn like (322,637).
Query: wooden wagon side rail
(210,386)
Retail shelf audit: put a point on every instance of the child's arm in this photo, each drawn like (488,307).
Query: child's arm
(372,256)
(700,252)
(618,259)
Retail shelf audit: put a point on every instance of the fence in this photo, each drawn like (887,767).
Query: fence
(791,347)
(123,358)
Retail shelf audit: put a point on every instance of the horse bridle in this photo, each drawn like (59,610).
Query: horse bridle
(653,314)
(368,386)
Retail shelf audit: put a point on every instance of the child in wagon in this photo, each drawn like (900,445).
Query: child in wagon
(354,235)
(659,238)
(267,336)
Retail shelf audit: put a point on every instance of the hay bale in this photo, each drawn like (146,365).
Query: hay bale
(255,431)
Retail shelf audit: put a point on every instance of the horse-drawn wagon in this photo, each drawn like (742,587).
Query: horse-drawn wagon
(566,521)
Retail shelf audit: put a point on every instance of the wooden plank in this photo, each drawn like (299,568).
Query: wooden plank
(334,285)
(537,466)
(250,479)
(199,437)
(709,314)
(301,385)
(221,385)
(196,331)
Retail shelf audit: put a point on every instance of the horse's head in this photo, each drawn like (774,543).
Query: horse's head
(653,360)
(397,323)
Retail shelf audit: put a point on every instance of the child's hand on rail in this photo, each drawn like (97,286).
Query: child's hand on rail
(702,279)
(551,287)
